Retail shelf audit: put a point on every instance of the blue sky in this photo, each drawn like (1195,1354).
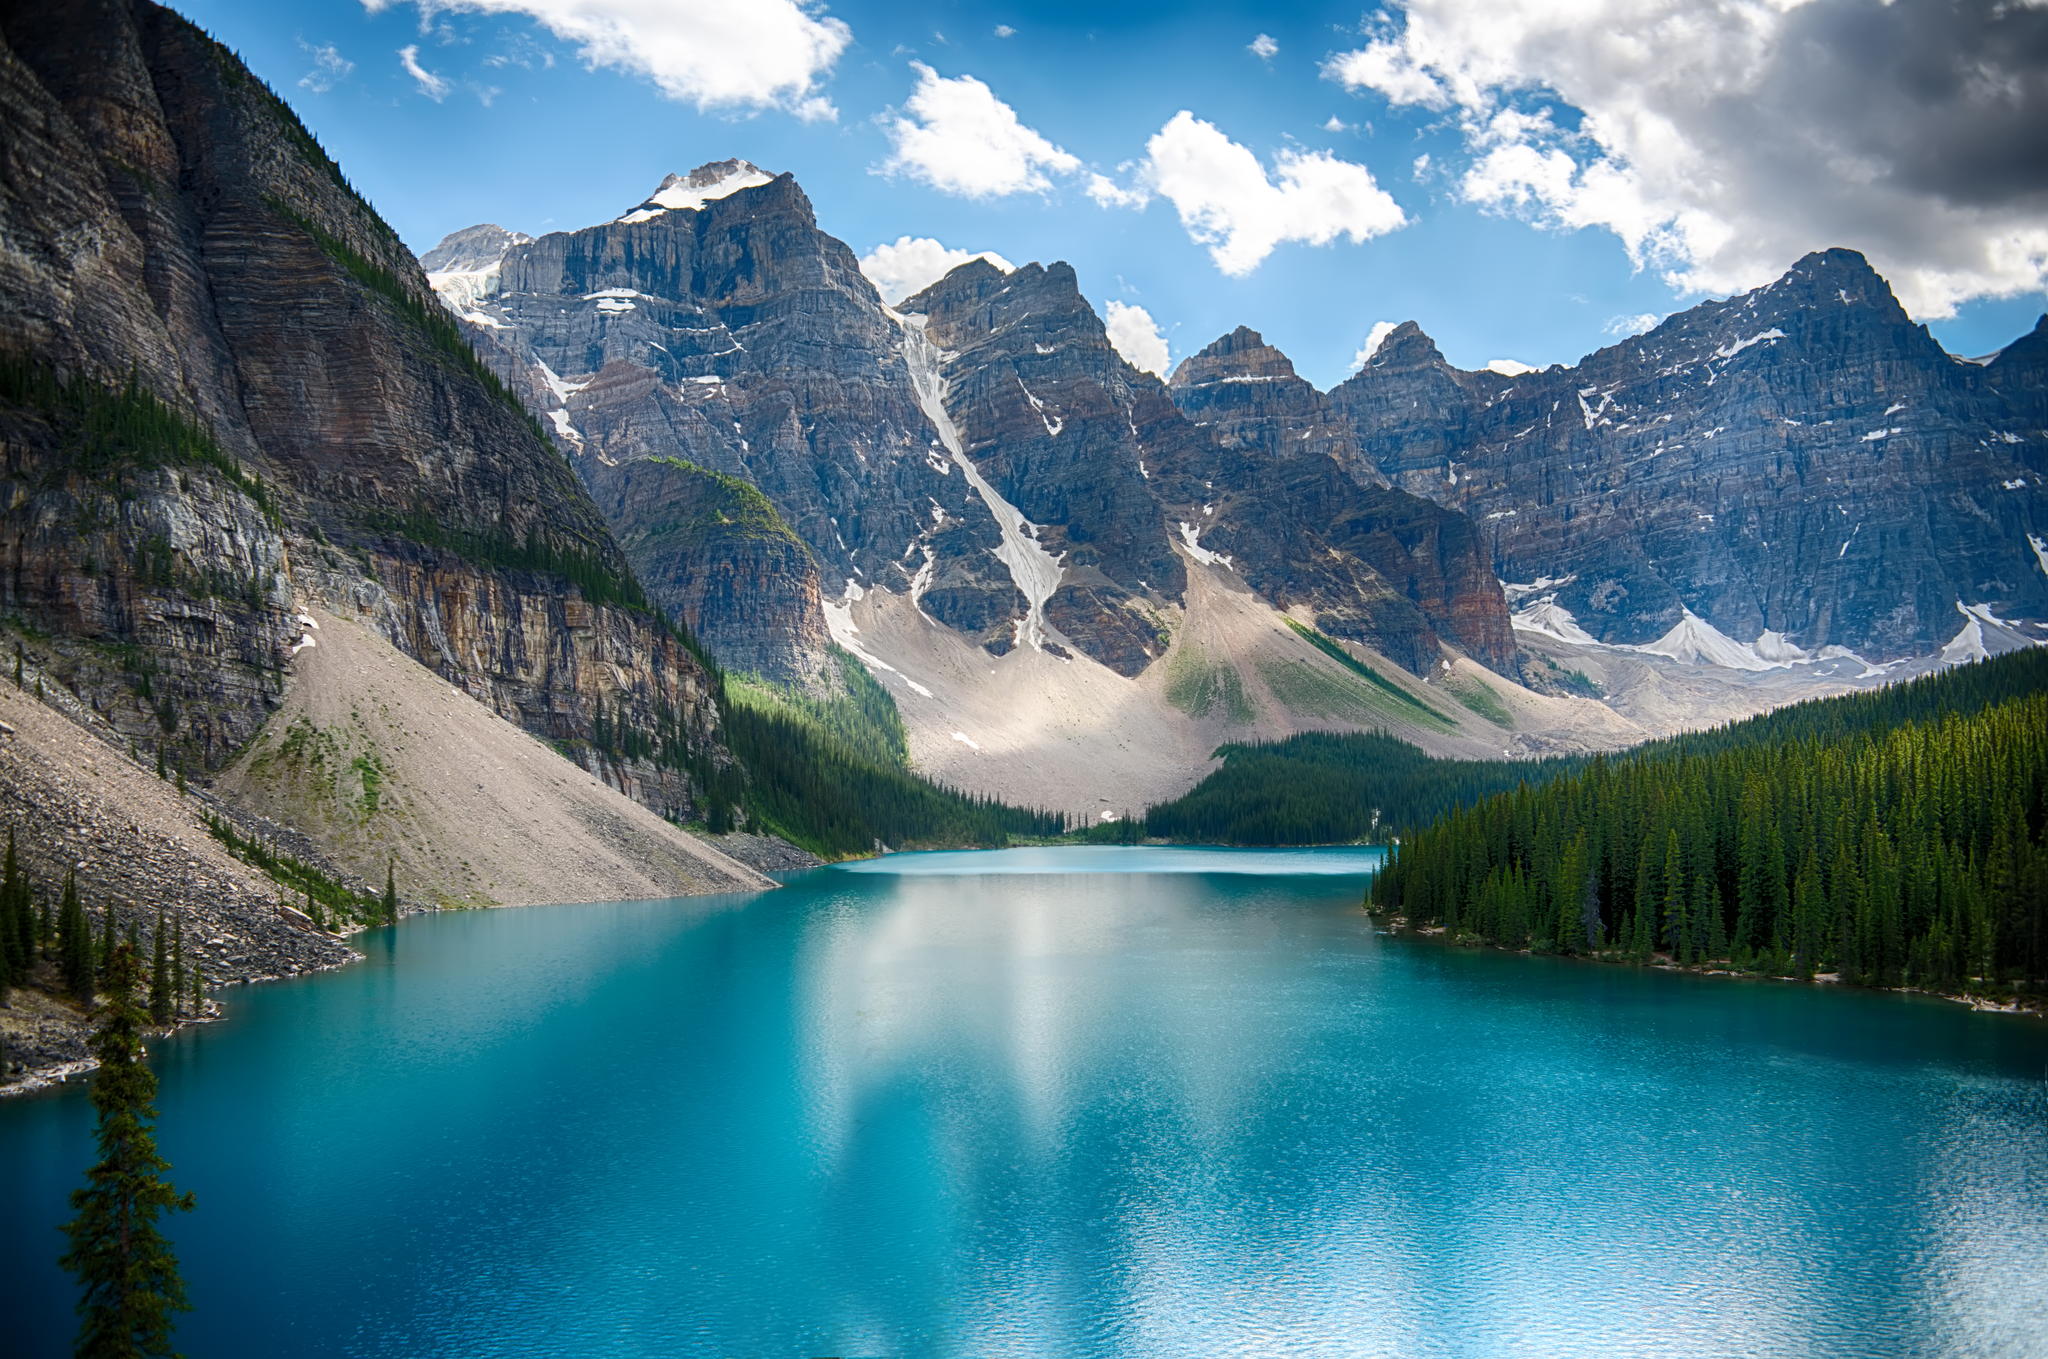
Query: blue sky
(1564,199)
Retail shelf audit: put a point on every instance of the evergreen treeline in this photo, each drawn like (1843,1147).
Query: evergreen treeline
(1895,838)
(102,428)
(1323,788)
(62,952)
(804,785)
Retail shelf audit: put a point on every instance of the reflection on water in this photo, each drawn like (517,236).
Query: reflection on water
(1066,1110)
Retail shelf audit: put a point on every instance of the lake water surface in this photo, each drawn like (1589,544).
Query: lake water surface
(1065,1102)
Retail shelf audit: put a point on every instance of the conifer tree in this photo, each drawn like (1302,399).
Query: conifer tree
(390,894)
(178,988)
(103,951)
(161,1001)
(129,1287)
(74,941)
(17,945)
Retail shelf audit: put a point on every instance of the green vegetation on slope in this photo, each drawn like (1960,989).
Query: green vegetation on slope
(861,718)
(737,511)
(802,783)
(103,429)
(1330,787)
(1895,837)
(588,571)
(1198,686)
(1405,704)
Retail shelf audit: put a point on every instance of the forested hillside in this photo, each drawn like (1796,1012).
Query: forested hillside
(1893,838)
(1321,788)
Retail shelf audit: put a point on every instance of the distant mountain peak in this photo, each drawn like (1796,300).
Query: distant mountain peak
(1406,346)
(473,247)
(687,193)
(1242,355)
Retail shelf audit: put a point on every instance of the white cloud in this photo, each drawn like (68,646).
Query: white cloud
(1136,336)
(1228,202)
(1509,367)
(1263,47)
(711,53)
(1110,194)
(1336,124)
(961,139)
(910,264)
(330,67)
(1621,327)
(431,85)
(1005,31)
(1720,140)
(1374,338)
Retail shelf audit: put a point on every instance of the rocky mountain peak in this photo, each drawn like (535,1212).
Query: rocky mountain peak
(473,247)
(1407,347)
(687,193)
(1241,356)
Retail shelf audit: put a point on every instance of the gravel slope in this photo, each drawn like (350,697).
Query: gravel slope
(380,761)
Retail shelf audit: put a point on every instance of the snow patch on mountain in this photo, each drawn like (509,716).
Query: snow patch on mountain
(1036,572)
(679,193)
(1548,618)
(1191,538)
(1695,641)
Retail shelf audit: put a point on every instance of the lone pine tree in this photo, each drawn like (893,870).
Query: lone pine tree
(129,1286)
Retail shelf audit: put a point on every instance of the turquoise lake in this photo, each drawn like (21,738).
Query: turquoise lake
(1115,1102)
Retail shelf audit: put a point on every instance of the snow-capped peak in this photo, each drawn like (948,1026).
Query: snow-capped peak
(687,193)
(463,268)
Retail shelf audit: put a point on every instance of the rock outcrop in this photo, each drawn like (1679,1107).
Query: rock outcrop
(718,325)
(1801,465)
(228,389)
(1287,498)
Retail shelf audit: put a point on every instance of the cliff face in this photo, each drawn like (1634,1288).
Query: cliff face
(1286,495)
(984,451)
(713,552)
(716,324)
(1802,460)
(173,236)
(1043,405)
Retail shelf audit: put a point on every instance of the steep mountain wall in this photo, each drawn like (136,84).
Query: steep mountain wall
(1801,460)
(230,391)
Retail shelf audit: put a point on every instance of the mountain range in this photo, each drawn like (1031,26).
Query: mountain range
(1784,492)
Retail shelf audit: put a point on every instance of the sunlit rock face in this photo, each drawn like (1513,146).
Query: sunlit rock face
(1801,460)
(983,449)
(169,224)
(1285,493)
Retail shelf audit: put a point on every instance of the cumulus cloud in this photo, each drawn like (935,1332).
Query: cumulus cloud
(910,264)
(1005,31)
(1136,336)
(330,67)
(1374,338)
(1621,327)
(960,139)
(1336,124)
(431,85)
(1111,194)
(1719,140)
(1229,202)
(1263,47)
(711,53)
